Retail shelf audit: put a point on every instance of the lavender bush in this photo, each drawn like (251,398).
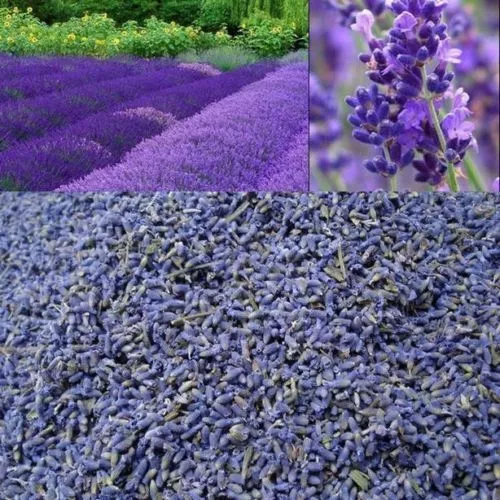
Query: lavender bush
(35,117)
(186,100)
(86,114)
(85,72)
(289,172)
(45,164)
(18,67)
(417,114)
(220,148)
(241,346)
(57,158)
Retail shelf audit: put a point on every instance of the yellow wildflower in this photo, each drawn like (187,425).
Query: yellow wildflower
(33,38)
(6,24)
(116,41)
(100,42)
(71,37)
(29,10)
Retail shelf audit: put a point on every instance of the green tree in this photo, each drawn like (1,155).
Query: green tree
(61,10)
(122,10)
(184,12)
(214,14)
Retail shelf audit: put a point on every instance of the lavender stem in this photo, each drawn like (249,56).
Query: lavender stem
(338,182)
(393,179)
(473,174)
(451,176)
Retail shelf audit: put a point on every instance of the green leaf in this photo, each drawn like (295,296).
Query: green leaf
(360,478)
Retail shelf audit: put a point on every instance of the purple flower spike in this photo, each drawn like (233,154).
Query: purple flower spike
(409,66)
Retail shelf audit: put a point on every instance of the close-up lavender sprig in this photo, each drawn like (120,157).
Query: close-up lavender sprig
(411,113)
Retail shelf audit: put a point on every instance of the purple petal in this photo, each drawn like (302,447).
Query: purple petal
(405,21)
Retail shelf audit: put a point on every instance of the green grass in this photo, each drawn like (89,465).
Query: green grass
(225,58)
(301,55)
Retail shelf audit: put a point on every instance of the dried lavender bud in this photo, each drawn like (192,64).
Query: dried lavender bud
(347,349)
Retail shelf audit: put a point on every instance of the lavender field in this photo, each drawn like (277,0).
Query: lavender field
(78,124)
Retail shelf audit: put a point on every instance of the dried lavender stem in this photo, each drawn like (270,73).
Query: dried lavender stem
(238,211)
(340,256)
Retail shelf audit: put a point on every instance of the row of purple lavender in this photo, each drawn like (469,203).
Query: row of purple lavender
(73,116)
(223,149)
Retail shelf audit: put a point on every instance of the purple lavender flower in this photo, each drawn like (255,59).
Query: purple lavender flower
(398,113)
(364,22)
(290,172)
(218,149)
(117,130)
(20,121)
(69,76)
(455,123)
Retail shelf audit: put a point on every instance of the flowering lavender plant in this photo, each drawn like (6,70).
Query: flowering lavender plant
(35,117)
(45,163)
(218,149)
(69,77)
(411,114)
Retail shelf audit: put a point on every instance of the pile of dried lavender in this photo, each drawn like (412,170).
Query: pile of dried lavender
(247,346)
